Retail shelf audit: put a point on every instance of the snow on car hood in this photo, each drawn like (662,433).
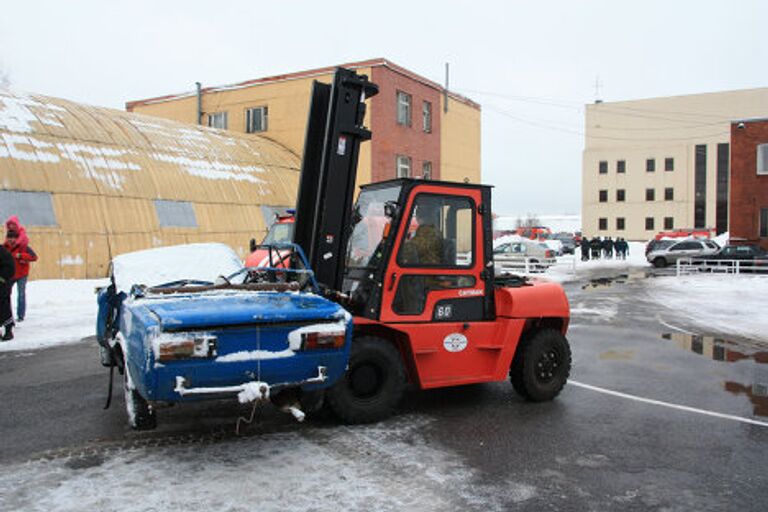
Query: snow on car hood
(208,309)
(152,267)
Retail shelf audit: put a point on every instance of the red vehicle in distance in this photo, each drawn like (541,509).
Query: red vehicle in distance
(686,233)
(280,232)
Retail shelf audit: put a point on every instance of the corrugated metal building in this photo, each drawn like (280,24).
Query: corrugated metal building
(90,183)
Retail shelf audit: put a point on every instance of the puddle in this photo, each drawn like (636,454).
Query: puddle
(732,351)
(607,282)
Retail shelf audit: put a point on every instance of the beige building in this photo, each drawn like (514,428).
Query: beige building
(419,128)
(663,163)
(90,183)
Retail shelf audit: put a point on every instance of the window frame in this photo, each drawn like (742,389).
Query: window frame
(621,166)
(669,193)
(602,196)
(426,113)
(602,167)
(650,194)
(670,224)
(426,170)
(404,108)
(602,224)
(650,223)
(409,166)
(669,164)
(621,224)
(214,116)
(650,165)
(761,162)
(621,195)
(264,117)
(410,220)
(762,223)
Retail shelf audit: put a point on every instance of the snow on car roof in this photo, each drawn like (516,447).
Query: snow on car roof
(151,267)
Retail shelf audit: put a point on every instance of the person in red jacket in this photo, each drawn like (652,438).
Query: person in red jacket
(17,243)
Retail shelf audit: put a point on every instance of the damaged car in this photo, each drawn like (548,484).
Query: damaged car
(191,322)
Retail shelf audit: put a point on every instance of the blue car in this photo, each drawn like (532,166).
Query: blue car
(190,322)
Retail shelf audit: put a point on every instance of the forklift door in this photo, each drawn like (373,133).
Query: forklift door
(434,288)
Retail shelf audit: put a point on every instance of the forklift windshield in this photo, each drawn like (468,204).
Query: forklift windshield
(371,217)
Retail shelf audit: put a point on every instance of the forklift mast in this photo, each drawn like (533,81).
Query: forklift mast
(329,171)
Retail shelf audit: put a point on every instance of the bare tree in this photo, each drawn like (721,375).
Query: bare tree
(530,221)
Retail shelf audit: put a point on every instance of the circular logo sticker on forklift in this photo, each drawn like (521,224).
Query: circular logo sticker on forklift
(455,342)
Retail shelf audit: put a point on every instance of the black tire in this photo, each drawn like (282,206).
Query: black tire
(141,416)
(541,366)
(373,384)
(659,262)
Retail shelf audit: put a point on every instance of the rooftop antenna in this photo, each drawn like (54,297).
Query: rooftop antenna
(598,85)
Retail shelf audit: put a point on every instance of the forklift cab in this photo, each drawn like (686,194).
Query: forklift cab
(420,251)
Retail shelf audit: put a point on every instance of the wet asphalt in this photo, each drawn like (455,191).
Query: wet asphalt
(586,450)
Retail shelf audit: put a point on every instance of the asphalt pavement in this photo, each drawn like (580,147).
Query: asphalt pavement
(657,416)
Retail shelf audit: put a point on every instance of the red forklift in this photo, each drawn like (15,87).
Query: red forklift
(412,261)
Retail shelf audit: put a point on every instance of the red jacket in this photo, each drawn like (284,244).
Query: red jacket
(23,256)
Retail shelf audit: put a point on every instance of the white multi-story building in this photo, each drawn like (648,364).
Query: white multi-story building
(663,163)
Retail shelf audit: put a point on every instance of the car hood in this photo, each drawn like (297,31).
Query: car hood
(194,311)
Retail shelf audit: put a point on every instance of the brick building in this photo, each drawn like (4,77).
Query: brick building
(419,128)
(749,181)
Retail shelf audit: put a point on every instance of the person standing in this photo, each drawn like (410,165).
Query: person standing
(23,255)
(7,269)
(584,246)
(596,245)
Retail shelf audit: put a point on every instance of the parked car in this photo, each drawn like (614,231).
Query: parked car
(522,254)
(657,245)
(688,248)
(754,257)
(191,322)
(568,241)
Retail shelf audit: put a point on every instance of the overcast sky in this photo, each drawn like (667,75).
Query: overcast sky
(531,65)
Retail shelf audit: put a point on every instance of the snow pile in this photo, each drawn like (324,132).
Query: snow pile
(254,355)
(202,262)
(58,312)
(728,304)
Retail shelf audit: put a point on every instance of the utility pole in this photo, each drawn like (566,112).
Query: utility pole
(445,91)
(598,84)
(199,102)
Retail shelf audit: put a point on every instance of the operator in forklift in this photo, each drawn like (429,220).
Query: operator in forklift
(426,246)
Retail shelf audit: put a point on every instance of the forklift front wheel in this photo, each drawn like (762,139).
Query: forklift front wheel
(541,366)
(372,385)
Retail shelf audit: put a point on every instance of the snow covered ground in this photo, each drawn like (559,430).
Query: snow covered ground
(728,304)
(315,469)
(58,311)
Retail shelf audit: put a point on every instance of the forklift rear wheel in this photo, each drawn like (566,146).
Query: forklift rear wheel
(140,415)
(373,384)
(541,366)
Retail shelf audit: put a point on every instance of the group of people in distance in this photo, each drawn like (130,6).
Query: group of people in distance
(15,258)
(604,248)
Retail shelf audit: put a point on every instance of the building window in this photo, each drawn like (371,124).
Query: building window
(650,165)
(603,167)
(621,166)
(403,166)
(403,108)
(700,187)
(602,223)
(650,194)
(32,208)
(426,117)
(669,194)
(175,214)
(426,170)
(762,159)
(669,223)
(763,222)
(649,223)
(218,120)
(256,120)
(620,223)
(669,164)
(721,193)
(620,195)
(603,196)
